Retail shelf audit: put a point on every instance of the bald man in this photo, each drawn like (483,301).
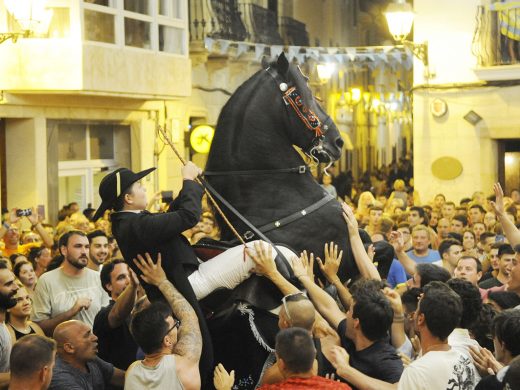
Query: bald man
(77,364)
(296,311)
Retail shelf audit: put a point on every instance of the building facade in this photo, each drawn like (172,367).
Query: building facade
(474,68)
(86,97)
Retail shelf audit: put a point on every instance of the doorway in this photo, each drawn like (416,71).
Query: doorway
(509,164)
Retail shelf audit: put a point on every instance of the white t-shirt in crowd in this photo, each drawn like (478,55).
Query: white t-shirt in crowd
(439,370)
(5,348)
(56,292)
(161,377)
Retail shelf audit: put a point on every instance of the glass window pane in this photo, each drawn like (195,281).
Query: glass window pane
(137,33)
(60,23)
(99,27)
(139,6)
(72,142)
(171,39)
(72,189)
(107,3)
(101,142)
(171,8)
(98,176)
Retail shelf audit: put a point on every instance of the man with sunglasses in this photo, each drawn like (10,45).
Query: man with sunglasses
(296,311)
(171,342)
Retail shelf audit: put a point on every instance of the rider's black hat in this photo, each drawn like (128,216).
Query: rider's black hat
(114,184)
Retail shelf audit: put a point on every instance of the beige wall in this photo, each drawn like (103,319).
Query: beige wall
(448,27)
(26,162)
(474,146)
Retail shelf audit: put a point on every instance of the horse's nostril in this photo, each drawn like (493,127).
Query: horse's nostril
(339,142)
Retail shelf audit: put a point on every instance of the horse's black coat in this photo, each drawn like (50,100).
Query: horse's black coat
(256,130)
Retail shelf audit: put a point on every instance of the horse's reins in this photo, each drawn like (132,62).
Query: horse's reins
(204,185)
(291,97)
(210,192)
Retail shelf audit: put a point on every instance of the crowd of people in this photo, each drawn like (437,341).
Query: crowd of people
(104,299)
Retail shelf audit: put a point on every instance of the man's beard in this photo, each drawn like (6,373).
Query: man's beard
(7,301)
(76,263)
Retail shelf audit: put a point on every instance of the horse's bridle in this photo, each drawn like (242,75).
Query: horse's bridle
(293,98)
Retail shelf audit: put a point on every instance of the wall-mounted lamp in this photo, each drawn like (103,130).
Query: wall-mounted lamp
(325,71)
(33,16)
(399,16)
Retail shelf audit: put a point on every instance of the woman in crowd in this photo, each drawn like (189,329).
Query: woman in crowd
(24,271)
(469,243)
(40,258)
(17,258)
(18,322)
(366,199)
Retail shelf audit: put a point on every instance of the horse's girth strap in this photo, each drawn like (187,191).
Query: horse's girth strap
(297,215)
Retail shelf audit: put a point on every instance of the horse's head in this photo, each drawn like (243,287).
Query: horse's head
(309,126)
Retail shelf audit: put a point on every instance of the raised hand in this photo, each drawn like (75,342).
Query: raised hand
(152,273)
(340,358)
(33,218)
(332,261)
(397,240)
(222,380)
(395,300)
(350,219)
(13,218)
(190,171)
(498,204)
(300,265)
(308,262)
(263,258)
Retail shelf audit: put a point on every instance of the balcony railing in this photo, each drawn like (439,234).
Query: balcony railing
(236,20)
(263,24)
(497,35)
(216,19)
(294,32)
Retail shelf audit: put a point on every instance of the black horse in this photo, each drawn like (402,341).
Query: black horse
(255,167)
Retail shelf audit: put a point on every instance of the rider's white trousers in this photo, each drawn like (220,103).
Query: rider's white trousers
(227,270)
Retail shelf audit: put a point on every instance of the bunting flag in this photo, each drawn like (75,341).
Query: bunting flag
(259,50)
(372,57)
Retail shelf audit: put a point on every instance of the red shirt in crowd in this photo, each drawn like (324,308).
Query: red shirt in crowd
(314,382)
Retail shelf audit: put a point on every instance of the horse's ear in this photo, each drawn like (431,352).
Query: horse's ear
(265,62)
(282,65)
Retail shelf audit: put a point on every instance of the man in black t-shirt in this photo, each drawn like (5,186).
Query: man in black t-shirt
(364,335)
(363,330)
(115,343)
(506,255)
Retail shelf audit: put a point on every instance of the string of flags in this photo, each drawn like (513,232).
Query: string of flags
(372,57)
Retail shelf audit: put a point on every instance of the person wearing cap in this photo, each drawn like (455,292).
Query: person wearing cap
(138,231)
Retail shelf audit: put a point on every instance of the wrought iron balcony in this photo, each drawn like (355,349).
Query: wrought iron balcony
(242,21)
(294,32)
(497,35)
(263,24)
(219,19)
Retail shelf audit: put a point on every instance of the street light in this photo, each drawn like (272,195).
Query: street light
(399,16)
(33,16)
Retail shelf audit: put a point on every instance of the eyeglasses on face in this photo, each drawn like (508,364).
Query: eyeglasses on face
(176,324)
